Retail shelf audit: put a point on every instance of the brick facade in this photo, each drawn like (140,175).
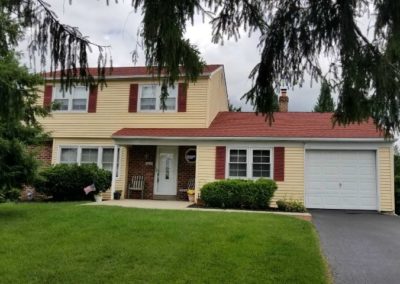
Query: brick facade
(186,171)
(142,162)
(138,157)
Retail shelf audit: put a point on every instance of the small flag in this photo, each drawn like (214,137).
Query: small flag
(89,189)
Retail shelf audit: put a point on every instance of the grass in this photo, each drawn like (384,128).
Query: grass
(69,243)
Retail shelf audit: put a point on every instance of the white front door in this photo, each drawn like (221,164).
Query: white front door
(166,172)
(341,180)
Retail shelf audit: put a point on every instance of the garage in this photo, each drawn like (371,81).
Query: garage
(341,179)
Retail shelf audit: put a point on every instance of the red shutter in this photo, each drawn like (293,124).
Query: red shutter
(92,99)
(279,163)
(133,98)
(220,162)
(48,91)
(182,97)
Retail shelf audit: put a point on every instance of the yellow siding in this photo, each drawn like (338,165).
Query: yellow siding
(386,178)
(120,181)
(217,95)
(293,186)
(205,166)
(112,113)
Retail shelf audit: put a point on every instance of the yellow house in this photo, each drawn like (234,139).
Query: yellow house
(196,140)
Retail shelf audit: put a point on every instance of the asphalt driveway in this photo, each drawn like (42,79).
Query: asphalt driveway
(361,247)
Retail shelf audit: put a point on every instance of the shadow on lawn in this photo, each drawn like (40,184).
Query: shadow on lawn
(10,214)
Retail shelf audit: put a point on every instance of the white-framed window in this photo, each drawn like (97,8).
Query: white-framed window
(149,98)
(249,162)
(74,100)
(103,157)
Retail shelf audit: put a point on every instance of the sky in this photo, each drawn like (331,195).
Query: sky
(117,25)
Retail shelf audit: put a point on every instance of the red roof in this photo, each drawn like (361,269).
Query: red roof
(137,71)
(248,124)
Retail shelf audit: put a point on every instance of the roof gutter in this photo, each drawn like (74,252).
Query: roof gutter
(302,139)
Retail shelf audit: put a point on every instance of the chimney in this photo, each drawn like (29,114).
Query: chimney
(283,100)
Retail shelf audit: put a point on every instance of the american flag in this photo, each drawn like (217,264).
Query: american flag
(89,189)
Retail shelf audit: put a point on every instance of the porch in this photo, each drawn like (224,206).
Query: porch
(166,171)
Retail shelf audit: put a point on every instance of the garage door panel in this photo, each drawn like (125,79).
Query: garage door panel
(341,179)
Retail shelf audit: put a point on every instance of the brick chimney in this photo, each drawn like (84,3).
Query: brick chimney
(283,100)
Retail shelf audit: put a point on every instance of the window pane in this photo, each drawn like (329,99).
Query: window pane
(108,158)
(89,156)
(62,104)
(172,92)
(80,92)
(79,104)
(69,155)
(261,163)
(149,91)
(237,170)
(170,104)
(237,156)
(147,104)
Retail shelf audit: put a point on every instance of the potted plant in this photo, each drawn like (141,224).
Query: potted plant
(190,194)
(117,194)
(98,197)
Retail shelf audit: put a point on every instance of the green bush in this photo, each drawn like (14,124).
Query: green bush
(66,182)
(246,194)
(291,206)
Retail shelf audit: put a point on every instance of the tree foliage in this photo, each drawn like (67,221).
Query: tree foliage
(325,101)
(295,34)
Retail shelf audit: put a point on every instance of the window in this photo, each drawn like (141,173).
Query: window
(74,100)
(249,163)
(261,163)
(237,163)
(103,157)
(150,98)
(89,156)
(69,156)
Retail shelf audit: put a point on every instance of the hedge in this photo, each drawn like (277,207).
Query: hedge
(66,182)
(246,194)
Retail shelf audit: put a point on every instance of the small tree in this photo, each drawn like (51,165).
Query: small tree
(325,101)
(233,108)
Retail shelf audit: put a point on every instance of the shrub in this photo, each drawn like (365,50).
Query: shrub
(291,206)
(238,193)
(66,182)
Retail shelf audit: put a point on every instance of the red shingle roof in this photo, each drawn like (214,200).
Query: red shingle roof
(247,124)
(137,71)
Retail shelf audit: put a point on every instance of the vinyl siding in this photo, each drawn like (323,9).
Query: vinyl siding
(386,178)
(112,113)
(292,187)
(205,166)
(217,95)
(120,181)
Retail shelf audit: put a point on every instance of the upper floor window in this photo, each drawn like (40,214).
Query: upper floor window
(74,100)
(149,98)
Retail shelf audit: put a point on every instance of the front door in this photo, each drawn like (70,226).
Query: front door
(166,171)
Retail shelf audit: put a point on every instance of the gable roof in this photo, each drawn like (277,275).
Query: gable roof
(250,125)
(132,72)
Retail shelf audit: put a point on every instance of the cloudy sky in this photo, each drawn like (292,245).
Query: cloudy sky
(117,25)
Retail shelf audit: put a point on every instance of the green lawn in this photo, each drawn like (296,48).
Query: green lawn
(70,243)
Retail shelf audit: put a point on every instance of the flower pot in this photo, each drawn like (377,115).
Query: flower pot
(117,195)
(191,197)
(98,198)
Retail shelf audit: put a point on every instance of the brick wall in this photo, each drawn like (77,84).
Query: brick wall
(137,167)
(186,171)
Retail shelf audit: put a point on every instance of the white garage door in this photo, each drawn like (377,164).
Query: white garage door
(341,179)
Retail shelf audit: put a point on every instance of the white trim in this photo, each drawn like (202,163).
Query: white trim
(157,97)
(114,171)
(299,139)
(249,160)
